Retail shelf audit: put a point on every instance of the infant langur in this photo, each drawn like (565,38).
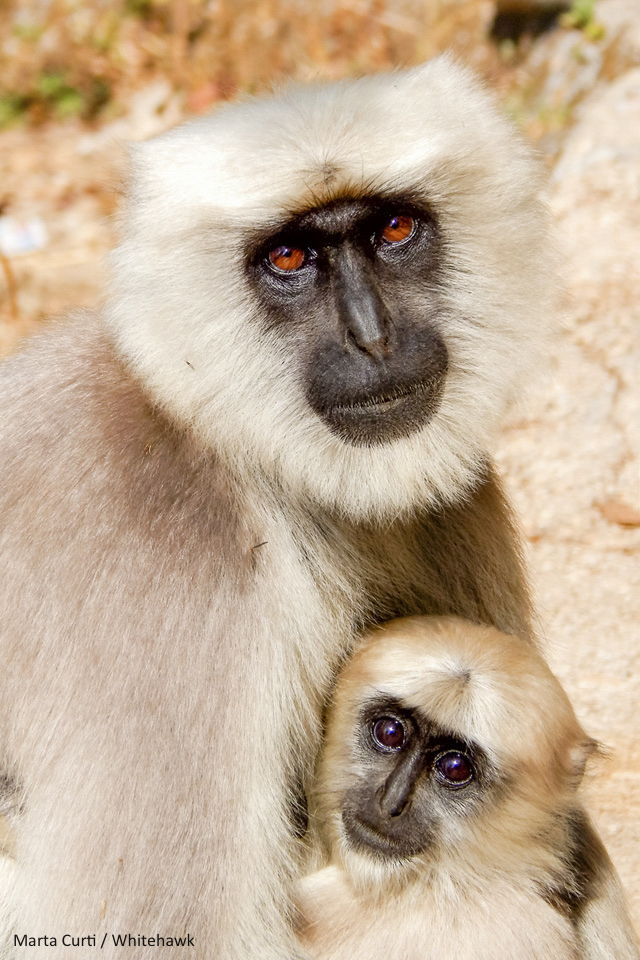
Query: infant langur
(445,821)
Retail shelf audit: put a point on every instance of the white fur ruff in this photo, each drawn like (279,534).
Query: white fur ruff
(183,311)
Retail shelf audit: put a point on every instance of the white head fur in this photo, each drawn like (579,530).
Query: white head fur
(183,313)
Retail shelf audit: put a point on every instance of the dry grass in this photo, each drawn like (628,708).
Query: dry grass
(69,57)
(76,58)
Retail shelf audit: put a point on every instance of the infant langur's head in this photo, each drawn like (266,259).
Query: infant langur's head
(450,749)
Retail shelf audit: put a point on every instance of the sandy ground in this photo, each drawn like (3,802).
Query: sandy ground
(573,468)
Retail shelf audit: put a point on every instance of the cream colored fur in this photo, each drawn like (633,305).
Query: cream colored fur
(432,920)
(482,889)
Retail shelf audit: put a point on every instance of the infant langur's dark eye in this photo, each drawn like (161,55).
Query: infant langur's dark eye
(388,734)
(454,769)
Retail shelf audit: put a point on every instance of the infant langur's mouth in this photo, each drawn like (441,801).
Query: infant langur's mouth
(362,834)
(384,401)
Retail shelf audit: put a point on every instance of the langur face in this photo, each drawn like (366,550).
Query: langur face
(352,288)
(414,782)
(362,277)
(444,738)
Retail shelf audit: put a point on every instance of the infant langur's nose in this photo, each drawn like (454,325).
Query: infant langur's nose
(396,792)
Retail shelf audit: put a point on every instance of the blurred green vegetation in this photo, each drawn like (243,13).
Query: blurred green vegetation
(582,16)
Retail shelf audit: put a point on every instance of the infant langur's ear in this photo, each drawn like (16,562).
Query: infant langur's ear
(579,756)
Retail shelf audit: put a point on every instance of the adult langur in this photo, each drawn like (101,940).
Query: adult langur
(276,432)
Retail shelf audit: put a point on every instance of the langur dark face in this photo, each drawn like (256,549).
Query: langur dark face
(413,778)
(353,286)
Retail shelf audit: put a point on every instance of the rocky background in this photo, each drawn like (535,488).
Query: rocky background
(80,79)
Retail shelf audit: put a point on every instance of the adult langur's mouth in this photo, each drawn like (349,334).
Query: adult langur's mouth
(383,417)
(385,401)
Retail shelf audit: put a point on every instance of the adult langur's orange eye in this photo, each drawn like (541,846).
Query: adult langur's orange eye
(287,258)
(398,229)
